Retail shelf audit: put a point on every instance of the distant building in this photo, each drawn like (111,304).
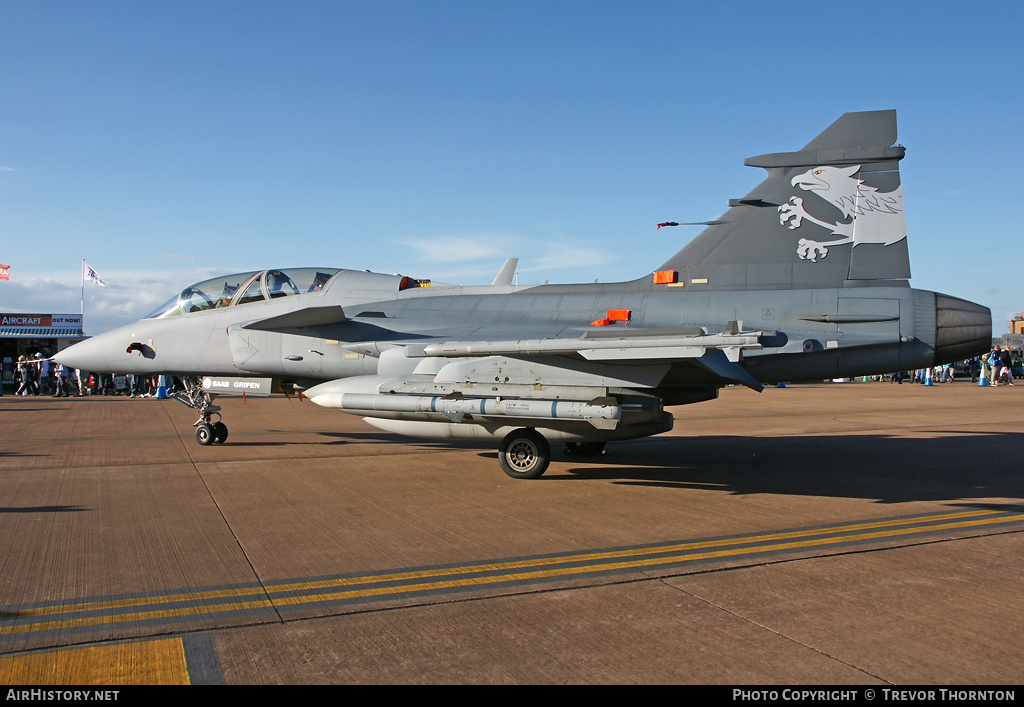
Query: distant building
(1014,341)
(1014,338)
(1017,324)
(28,334)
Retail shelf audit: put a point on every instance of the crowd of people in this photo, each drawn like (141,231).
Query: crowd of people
(998,367)
(1001,365)
(37,375)
(939,374)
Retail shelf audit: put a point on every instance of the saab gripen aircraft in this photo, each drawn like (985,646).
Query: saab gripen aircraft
(804,278)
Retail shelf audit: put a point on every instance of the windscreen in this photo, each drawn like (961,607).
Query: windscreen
(214,293)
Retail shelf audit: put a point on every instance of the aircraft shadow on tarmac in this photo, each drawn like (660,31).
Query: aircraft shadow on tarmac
(340,438)
(955,465)
(389,438)
(42,509)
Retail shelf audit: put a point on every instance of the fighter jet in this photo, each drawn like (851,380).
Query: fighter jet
(804,278)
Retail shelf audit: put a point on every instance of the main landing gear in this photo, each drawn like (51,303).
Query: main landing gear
(195,397)
(524,454)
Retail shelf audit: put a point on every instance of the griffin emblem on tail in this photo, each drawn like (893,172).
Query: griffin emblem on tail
(872,216)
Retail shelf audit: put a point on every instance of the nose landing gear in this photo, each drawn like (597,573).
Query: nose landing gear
(195,397)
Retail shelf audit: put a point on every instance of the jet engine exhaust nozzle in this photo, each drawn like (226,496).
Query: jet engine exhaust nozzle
(962,329)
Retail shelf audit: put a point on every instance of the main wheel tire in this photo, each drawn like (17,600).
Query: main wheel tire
(220,432)
(204,434)
(524,454)
(584,449)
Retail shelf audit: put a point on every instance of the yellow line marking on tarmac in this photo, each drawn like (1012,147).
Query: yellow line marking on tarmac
(636,558)
(633,552)
(485,567)
(631,564)
(197,611)
(159,662)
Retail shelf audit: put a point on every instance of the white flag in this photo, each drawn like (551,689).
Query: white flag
(90,274)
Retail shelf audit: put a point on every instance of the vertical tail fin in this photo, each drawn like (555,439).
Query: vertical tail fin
(829,214)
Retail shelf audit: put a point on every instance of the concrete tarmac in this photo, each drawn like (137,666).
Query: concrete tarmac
(860,533)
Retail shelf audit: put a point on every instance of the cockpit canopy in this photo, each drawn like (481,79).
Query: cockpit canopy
(244,288)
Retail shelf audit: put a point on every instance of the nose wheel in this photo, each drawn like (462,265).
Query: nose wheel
(207,430)
(211,433)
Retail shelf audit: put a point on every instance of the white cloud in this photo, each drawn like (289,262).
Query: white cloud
(128,295)
(562,256)
(456,249)
(470,252)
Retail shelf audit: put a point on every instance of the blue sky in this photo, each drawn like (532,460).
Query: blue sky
(165,141)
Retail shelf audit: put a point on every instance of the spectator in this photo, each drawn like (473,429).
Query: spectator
(1006,365)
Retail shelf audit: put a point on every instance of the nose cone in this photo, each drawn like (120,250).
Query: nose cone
(104,353)
(89,355)
(962,329)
